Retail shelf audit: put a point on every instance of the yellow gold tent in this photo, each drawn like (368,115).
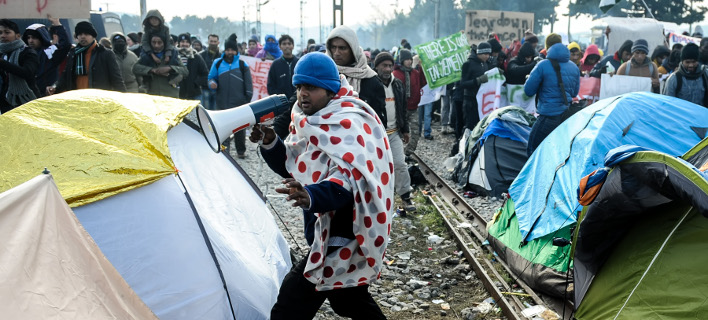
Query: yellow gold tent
(96,143)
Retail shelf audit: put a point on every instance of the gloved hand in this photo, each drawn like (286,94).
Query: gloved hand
(482,79)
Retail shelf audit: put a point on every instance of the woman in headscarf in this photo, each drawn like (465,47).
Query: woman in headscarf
(271,50)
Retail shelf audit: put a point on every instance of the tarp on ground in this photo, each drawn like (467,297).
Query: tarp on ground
(638,248)
(51,267)
(544,192)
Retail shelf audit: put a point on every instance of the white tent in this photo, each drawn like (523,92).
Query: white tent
(51,268)
(196,241)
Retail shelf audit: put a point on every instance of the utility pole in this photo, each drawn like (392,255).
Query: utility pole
(320,14)
(258,15)
(337,8)
(436,18)
(302,24)
(244,26)
(143,10)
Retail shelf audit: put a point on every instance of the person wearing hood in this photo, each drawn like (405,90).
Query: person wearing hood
(126,60)
(343,47)
(18,67)
(671,63)
(413,81)
(640,65)
(520,67)
(253,46)
(590,59)
(660,53)
(230,78)
(690,82)
(543,82)
(576,53)
(197,45)
(162,76)
(51,56)
(89,65)
(271,50)
(498,57)
(154,25)
(191,86)
(611,63)
(473,76)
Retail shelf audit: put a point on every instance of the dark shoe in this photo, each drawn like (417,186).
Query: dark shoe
(429,138)
(241,156)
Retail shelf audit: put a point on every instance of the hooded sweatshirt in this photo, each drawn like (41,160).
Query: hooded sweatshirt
(359,75)
(271,50)
(50,56)
(149,31)
(660,50)
(615,60)
(544,82)
(585,65)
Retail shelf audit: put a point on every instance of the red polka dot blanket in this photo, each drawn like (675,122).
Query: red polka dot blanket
(345,143)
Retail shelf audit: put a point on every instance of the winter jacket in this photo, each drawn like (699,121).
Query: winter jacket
(693,85)
(51,57)
(647,69)
(234,88)
(209,59)
(471,70)
(591,50)
(126,61)
(27,69)
(614,60)
(660,50)
(401,106)
(191,85)
(518,69)
(159,85)
(280,77)
(544,82)
(104,72)
(373,93)
(417,83)
(149,31)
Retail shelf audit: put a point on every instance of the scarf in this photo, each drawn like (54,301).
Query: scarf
(18,91)
(273,49)
(253,52)
(693,75)
(407,72)
(345,143)
(80,68)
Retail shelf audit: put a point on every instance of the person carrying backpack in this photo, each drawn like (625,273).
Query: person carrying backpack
(640,65)
(690,81)
(230,78)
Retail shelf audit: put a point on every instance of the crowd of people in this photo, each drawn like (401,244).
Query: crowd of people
(379,133)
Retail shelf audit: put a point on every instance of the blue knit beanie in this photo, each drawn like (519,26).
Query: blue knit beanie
(319,70)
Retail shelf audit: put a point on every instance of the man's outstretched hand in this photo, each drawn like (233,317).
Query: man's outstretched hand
(296,192)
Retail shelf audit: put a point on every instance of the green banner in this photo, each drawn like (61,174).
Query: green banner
(442,59)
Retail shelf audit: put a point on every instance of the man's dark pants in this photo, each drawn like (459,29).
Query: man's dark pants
(298,299)
(543,126)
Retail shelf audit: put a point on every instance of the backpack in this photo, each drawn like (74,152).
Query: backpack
(241,66)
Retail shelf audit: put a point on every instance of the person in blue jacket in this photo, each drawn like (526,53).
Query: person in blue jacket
(543,81)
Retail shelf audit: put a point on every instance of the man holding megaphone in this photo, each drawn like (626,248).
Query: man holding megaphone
(338,168)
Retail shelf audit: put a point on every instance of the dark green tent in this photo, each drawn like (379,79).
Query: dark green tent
(641,247)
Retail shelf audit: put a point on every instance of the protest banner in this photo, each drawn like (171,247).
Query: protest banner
(489,96)
(589,90)
(508,25)
(39,9)
(611,86)
(428,95)
(259,74)
(516,97)
(442,59)
(675,38)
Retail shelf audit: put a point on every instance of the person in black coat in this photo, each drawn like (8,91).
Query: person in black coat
(191,86)
(18,66)
(39,38)
(520,67)
(280,81)
(473,76)
(89,65)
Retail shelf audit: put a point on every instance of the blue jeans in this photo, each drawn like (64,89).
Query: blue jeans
(425,116)
(543,126)
(208,99)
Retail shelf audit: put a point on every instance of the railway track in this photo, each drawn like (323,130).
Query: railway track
(468,229)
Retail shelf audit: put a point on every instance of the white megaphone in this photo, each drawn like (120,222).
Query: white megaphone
(219,125)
